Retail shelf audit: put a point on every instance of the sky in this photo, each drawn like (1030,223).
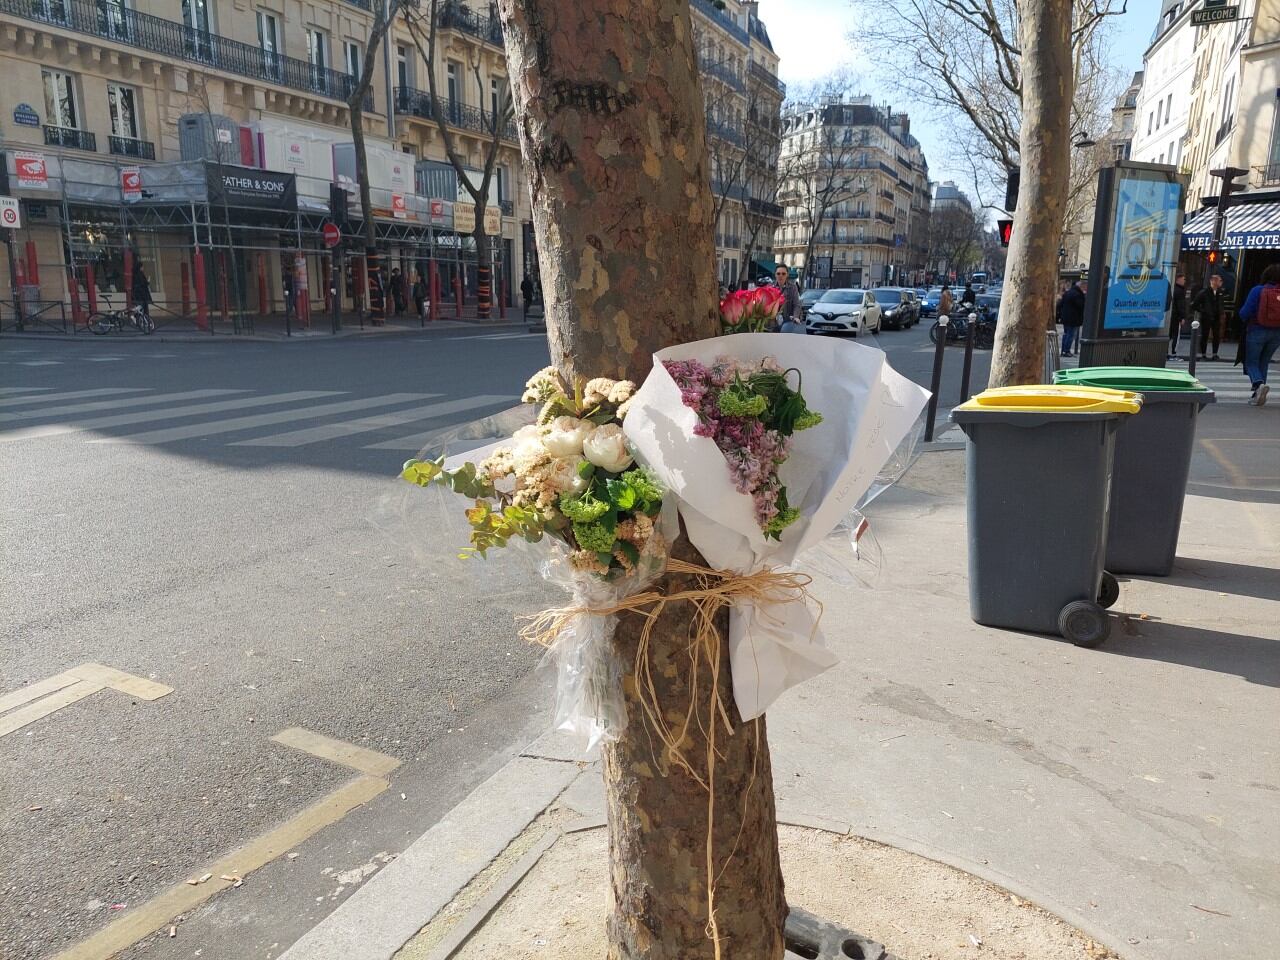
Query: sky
(811,38)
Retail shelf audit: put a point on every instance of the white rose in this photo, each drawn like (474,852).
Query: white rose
(565,476)
(565,435)
(528,444)
(607,448)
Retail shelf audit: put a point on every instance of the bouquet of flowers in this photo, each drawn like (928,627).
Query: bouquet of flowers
(750,311)
(568,482)
(760,480)
(750,412)
(569,475)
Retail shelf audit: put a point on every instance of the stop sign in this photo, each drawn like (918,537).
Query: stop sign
(331,235)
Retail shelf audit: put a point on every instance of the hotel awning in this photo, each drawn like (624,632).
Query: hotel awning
(1250,226)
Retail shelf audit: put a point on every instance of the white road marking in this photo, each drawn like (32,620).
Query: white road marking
(125,419)
(331,431)
(22,389)
(201,430)
(73,395)
(39,363)
(103,405)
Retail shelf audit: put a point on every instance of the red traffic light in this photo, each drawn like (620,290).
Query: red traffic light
(1006,231)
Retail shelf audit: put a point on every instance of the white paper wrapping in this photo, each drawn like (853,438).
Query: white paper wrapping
(867,409)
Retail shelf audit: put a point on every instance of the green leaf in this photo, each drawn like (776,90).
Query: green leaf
(629,550)
(605,558)
(622,494)
(585,469)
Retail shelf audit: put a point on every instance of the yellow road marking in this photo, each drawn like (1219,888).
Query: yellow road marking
(337,751)
(42,708)
(67,688)
(36,690)
(151,916)
(1237,477)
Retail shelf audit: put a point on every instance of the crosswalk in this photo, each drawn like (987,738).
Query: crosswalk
(241,418)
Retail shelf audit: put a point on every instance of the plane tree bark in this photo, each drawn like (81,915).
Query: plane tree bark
(610,114)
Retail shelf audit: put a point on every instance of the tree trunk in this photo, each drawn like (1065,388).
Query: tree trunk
(612,131)
(1045,154)
(484,271)
(373,271)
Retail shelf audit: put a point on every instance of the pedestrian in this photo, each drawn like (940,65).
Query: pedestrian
(946,303)
(790,318)
(968,296)
(141,290)
(1208,307)
(420,295)
(1261,314)
(397,290)
(1071,315)
(1178,314)
(526,292)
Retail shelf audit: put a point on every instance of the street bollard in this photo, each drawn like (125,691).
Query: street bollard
(936,382)
(1195,347)
(968,356)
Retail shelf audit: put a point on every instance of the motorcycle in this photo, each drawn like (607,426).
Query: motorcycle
(984,335)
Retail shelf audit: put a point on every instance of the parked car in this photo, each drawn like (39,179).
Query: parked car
(989,303)
(899,307)
(845,311)
(808,298)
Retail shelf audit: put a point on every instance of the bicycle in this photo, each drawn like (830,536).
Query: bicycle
(104,321)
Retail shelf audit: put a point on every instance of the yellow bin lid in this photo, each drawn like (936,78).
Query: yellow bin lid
(1049,398)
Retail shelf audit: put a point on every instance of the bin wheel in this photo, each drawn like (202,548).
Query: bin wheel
(1083,623)
(1108,592)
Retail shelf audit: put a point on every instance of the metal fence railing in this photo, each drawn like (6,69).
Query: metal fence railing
(28,315)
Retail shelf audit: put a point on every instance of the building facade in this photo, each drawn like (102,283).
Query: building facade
(744,103)
(1163,105)
(857,181)
(199,140)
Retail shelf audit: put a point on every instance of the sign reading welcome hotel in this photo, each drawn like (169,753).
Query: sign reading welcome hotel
(248,187)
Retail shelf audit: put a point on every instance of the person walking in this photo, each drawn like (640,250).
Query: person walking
(790,319)
(1178,314)
(526,292)
(1071,314)
(946,303)
(140,290)
(397,290)
(1261,315)
(1208,306)
(420,295)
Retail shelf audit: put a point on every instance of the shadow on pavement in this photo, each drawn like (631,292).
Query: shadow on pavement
(1238,494)
(1238,579)
(1256,659)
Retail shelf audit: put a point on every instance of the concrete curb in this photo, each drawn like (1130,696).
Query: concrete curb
(400,900)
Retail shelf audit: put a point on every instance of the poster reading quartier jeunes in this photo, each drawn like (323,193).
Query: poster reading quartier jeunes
(1144,250)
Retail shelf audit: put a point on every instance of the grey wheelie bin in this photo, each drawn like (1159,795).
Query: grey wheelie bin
(1039,463)
(1153,458)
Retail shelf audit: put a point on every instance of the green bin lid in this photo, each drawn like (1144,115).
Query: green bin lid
(1136,379)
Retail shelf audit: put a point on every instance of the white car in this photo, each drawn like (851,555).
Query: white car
(845,311)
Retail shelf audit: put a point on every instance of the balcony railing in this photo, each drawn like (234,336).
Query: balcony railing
(70,137)
(131,147)
(172,39)
(724,131)
(418,103)
(454,16)
(721,19)
(1268,176)
(723,71)
(884,218)
(736,191)
(760,72)
(764,208)
(887,194)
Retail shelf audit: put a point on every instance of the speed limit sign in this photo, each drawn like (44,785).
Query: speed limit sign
(9,215)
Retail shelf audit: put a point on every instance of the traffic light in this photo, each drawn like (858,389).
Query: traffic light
(1215,255)
(1006,231)
(1013,181)
(338,205)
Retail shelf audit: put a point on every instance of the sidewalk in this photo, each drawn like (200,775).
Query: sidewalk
(273,328)
(1130,790)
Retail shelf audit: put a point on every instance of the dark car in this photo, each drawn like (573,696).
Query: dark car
(899,307)
(808,298)
(990,303)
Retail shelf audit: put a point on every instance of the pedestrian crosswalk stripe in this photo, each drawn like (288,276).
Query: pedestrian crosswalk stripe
(332,431)
(39,363)
(192,431)
(22,389)
(73,395)
(101,405)
(173,413)
(413,443)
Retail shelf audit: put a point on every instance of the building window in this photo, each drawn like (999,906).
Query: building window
(1168,108)
(195,17)
(495,95)
(269,40)
(113,17)
(351,55)
(1149,117)
(318,56)
(123,104)
(60,99)
(453,81)
(404,71)
(1274,157)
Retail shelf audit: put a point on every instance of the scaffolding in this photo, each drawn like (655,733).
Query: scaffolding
(232,245)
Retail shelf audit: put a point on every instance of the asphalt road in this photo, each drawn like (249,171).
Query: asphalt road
(224,519)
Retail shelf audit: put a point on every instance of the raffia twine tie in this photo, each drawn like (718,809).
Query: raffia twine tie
(714,590)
